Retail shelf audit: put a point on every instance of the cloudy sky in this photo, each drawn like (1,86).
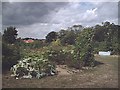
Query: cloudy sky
(37,19)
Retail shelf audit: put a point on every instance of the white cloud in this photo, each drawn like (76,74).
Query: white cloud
(90,15)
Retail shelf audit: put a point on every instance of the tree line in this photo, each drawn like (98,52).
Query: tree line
(105,36)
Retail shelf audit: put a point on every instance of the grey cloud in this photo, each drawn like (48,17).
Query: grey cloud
(0,17)
(38,19)
(26,13)
(119,12)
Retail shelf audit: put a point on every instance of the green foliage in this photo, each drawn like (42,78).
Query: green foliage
(10,51)
(56,43)
(55,55)
(69,38)
(83,52)
(74,46)
(33,66)
(106,37)
(10,35)
(100,33)
(51,36)
(10,55)
(62,33)
(36,44)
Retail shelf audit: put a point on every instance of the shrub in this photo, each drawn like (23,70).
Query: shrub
(59,54)
(83,52)
(10,55)
(56,56)
(56,43)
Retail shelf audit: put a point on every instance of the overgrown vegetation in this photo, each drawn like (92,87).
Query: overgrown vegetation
(84,48)
(74,47)
(33,66)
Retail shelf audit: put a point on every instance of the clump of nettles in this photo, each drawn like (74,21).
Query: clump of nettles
(31,67)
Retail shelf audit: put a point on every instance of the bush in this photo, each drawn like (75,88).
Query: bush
(10,55)
(59,54)
(83,52)
(56,56)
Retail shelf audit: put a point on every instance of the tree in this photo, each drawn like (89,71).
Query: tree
(106,37)
(51,37)
(69,38)
(10,51)
(62,33)
(99,33)
(106,23)
(10,35)
(77,28)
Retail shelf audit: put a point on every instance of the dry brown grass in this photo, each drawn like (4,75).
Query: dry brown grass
(102,76)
